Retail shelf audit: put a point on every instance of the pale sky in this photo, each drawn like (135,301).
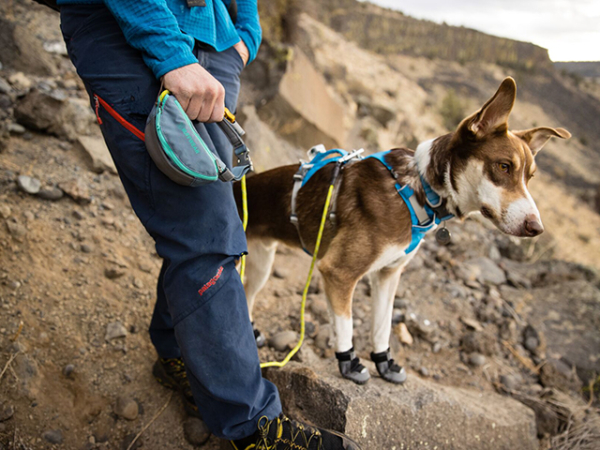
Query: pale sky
(569,29)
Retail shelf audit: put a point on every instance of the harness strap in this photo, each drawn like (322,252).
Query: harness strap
(423,217)
(307,170)
(298,177)
(336,191)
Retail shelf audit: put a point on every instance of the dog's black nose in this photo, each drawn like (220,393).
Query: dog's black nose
(533,227)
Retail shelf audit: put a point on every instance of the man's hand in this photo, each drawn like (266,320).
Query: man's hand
(201,96)
(243,51)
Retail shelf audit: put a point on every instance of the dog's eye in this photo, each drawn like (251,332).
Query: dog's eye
(504,167)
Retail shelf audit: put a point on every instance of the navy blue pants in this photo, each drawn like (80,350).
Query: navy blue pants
(201,312)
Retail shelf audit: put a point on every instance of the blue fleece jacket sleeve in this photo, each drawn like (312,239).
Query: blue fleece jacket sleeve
(248,26)
(149,26)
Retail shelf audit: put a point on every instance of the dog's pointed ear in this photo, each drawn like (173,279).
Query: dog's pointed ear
(494,114)
(536,138)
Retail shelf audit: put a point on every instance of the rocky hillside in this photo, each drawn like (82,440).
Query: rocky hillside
(584,69)
(389,31)
(499,336)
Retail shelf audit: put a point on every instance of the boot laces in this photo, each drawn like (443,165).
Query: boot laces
(298,436)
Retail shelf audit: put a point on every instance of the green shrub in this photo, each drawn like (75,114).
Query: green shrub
(452,110)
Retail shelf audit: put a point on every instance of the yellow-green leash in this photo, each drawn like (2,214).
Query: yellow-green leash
(244,224)
(306,286)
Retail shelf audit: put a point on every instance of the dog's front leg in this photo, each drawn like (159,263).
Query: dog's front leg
(258,268)
(340,282)
(383,288)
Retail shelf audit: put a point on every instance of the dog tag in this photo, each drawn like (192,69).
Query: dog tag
(443,236)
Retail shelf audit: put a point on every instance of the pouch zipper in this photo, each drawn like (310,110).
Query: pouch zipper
(109,109)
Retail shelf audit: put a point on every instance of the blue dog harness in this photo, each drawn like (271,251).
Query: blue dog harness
(423,218)
(319,159)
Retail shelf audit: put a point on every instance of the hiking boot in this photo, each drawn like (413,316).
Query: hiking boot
(171,374)
(285,434)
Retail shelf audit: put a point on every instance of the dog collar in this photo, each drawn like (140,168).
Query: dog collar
(423,217)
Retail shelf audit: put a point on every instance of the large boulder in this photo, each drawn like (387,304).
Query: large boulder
(96,153)
(303,109)
(56,114)
(421,414)
(567,313)
(20,49)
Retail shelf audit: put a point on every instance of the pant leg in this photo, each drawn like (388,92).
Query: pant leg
(162,331)
(197,230)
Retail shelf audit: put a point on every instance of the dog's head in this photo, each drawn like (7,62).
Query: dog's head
(491,166)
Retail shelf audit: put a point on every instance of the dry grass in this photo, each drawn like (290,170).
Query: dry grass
(571,423)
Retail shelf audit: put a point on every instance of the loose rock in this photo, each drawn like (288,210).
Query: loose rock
(531,344)
(483,270)
(4,86)
(283,340)
(476,359)
(28,184)
(68,370)
(15,128)
(195,431)
(6,412)
(20,81)
(479,342)
(97,153)
(322,339)
(16,230)
(278,273)
(115,330)
(76,189)
(52,194)
(510,382)
(53,436)
(319,310)
(471,323)
(113,273)
(127,408)
(5,211)
(403,334)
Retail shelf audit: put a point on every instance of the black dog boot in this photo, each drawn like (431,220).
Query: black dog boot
(259,337)
(351,368)
(387,367)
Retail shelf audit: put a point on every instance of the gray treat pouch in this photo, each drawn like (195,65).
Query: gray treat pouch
(177,148)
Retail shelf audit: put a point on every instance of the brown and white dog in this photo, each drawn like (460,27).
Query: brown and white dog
(480,167)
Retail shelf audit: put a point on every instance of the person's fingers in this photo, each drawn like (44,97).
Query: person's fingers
(207,105)
(184,101)
(219,108)
(194,108)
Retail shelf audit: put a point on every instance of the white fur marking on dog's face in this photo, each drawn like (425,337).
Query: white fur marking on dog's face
(516,213)
(468,182)
(490,196)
